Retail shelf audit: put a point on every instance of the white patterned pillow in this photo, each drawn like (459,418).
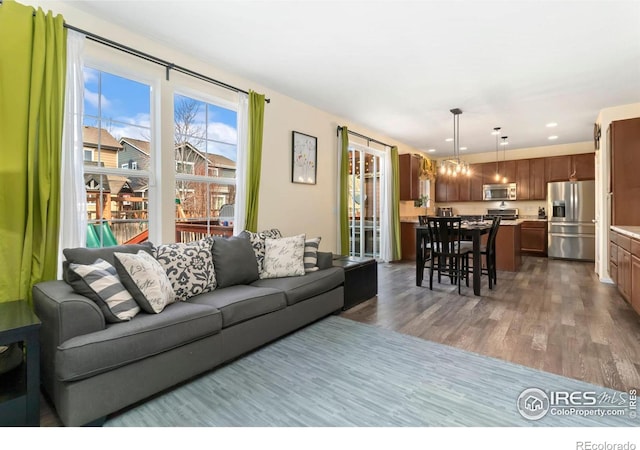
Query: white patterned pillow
(311,254)
(99,282)
(257,242)
(284,257)
(189,267)
(145,279)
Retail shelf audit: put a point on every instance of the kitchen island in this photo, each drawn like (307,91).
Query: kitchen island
(508,256)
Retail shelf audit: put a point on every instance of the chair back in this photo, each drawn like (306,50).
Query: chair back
(422,220)
(444,234)
(491,241)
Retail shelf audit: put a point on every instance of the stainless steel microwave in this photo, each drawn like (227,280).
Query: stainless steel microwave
(499,191)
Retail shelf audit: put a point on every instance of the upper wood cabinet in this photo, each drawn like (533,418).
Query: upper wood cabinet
(507,169)
(522,179)
(624,138)
(409,168)
(537,179)
(560,168)
(476,181)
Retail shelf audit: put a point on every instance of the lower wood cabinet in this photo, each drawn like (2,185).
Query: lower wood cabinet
(533,237)
(624,267)
(408,240)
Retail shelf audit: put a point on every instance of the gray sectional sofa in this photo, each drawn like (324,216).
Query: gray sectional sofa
(92,368)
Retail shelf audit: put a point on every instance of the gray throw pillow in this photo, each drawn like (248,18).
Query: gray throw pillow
(82,255)
(234,261)
(311,254)
(257,242)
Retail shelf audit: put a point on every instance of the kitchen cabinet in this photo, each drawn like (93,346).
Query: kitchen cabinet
(447,189)
(624,142)
(464,188)
(560,168)
(508,243)
(476,181)
(613,258)
(489,173)
(409,168)
(635,282)
(537,179)
(623,276)
(523,176)
(533,237)
(408,240)
(507,169)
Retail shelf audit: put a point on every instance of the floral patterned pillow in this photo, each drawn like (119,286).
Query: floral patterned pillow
(257,242)
(284,257)
(189,267)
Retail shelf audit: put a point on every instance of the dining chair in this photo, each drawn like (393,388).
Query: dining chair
(489,252)
(449,255)
(422,221)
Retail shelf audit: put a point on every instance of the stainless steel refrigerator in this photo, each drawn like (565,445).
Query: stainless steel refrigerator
(571,207)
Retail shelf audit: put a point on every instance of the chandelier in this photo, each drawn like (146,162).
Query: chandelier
(455,166)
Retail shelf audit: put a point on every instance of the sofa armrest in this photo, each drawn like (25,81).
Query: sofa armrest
(63,313)
(325,260)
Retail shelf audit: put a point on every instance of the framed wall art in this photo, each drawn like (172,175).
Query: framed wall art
(304,158)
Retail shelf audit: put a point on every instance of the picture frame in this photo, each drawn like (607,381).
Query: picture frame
(304,158)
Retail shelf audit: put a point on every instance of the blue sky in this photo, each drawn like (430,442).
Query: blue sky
(125,106)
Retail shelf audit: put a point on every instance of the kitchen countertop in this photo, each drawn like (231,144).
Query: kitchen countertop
(631,231)
(414,219)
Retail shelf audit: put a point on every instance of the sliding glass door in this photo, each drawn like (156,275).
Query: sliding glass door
(366,174)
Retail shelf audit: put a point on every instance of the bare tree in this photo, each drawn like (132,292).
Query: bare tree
(186,112)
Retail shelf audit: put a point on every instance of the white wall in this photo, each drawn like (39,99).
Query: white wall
(293,208)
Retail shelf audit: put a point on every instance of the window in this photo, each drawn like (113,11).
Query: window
(116,109)
(205,156)
(366,171)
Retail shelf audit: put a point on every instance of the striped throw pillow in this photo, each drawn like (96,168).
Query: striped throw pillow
(311,254)
(100,282)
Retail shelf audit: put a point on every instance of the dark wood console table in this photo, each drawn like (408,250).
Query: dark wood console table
(20,387)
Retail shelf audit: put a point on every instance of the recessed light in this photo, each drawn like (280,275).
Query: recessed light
(448,140)
(431,150)
(552,138)
(463,148)
(552,124)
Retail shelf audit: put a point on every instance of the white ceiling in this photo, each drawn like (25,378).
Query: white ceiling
(398,67)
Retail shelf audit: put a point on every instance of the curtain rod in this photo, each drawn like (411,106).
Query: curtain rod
(363,137)
(147,57)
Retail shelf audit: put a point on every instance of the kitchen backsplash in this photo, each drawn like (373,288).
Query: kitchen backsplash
(525,208)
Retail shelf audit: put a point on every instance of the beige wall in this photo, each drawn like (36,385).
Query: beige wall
(294,208)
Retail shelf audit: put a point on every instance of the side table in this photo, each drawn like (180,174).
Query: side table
(20,387)
(360,279)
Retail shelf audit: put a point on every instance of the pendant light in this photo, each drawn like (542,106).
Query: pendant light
(455,166)
(504,153)
(496,131)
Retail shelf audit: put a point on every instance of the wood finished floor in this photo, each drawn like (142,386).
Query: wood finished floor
(552,315)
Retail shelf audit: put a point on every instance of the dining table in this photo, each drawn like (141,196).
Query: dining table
(467,230)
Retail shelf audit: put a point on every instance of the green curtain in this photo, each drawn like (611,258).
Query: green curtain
(396,243)
(32,77)
(254,158)
(344,192)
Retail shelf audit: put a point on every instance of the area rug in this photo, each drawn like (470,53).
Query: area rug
(341,373)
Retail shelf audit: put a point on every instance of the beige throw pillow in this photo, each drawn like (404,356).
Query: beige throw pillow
(284,257)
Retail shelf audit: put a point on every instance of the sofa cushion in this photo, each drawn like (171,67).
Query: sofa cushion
(145,279)
(82,255)
(233,261)
(257,242)
(240,303)
(311,254)
(298,289)
(143,336)
(283,257)
(189,266)
(100,283)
